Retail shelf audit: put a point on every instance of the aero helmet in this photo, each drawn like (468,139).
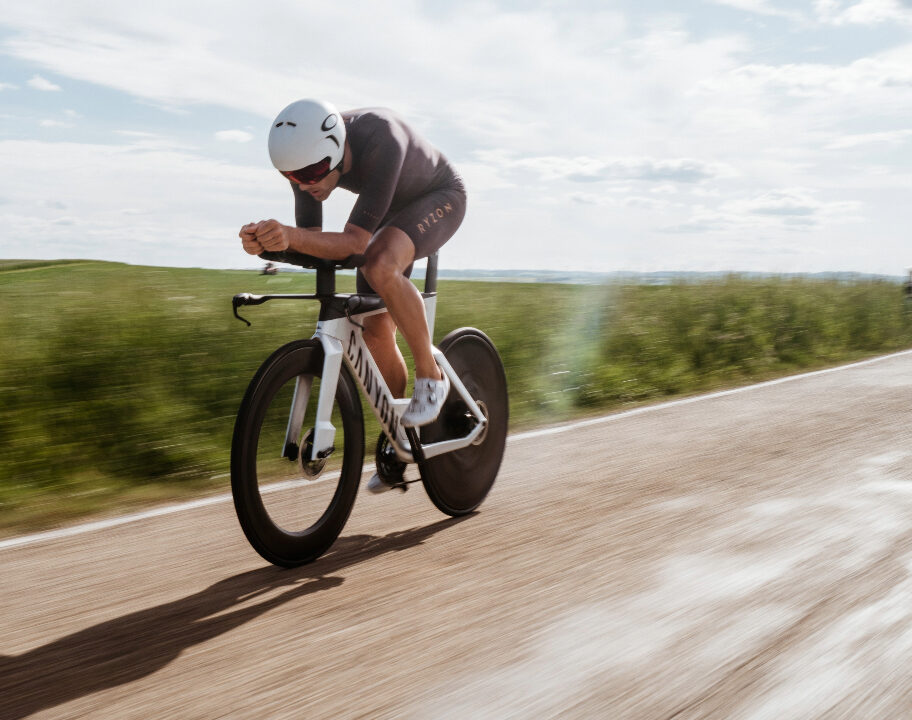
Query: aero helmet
(307,141)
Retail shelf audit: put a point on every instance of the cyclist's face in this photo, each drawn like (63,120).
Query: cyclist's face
(321,190)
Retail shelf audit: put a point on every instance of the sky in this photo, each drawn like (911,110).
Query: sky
(634,135)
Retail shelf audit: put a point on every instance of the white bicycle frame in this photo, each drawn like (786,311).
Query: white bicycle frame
(342,341)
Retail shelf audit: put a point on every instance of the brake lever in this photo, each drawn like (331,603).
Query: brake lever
(246,299)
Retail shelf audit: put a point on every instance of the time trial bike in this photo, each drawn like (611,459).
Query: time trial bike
(298,446)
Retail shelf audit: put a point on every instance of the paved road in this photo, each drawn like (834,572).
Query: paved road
(743,556)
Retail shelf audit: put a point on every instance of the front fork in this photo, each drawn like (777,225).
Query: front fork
(319,444)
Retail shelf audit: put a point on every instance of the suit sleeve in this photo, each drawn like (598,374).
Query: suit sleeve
(382,165)
(308,212)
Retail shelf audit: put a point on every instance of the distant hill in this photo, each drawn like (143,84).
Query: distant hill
(567,277)
(649,278)
(663,277)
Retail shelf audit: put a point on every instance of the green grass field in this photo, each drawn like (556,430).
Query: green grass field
(119,384)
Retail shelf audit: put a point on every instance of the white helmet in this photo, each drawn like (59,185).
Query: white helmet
(307,141)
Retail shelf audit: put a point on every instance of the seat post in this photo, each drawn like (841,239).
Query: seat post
(430,274)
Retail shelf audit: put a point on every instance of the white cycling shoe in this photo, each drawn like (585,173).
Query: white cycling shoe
(390,469)
(378,485)
(427,400)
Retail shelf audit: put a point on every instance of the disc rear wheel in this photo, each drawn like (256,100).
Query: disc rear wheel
(458,482)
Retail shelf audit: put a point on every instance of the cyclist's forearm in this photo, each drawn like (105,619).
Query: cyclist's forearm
(329,245)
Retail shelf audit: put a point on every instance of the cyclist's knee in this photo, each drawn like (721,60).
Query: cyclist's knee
(387,257)
(380,271)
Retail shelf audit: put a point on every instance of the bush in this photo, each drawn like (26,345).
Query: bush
(121,383)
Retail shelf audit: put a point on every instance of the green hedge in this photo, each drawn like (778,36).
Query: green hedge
(119,384)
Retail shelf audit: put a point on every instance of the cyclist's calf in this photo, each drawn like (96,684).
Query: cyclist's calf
(380,336)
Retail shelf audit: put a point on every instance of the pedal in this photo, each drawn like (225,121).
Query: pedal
(388,465)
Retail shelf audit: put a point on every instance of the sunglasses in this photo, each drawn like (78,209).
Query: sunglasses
(310,175)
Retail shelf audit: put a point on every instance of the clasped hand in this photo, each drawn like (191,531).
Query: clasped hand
(264,235)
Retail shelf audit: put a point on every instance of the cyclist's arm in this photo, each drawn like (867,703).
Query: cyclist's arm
(382,163)
(273,236)
(313,241)
(308,212)
(352,240)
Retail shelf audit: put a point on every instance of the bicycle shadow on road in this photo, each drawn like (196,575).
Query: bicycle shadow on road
(138,644)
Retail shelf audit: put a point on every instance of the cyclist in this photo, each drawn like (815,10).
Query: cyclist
(410,202)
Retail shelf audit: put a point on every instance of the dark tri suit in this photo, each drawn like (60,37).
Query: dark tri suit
(401,180)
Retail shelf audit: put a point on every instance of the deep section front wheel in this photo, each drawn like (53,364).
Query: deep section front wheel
(292,510)
(457,482)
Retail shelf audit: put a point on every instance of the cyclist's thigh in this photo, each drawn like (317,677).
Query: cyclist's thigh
(429,222)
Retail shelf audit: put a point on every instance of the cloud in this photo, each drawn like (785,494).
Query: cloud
(619,199)
(8,86)
(646,169)
(868,76)
(137,134)
(565,119)
(185,209)
(891,137)
(762,7)
(865,12)
(509,88)
(783,204)
(785,208)
(144,140)
(48,123)
(238,136)
(39,83)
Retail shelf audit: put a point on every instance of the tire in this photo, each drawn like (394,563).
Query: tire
(289,518)
(458,482)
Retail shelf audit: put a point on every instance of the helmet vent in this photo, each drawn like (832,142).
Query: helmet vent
(291,123)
